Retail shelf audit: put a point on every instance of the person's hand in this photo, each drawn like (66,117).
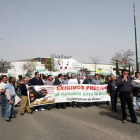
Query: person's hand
(1,91)
(131,95)
(125,78)
(28,87)
(10,101)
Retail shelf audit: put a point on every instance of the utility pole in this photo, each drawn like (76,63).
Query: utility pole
(136,48)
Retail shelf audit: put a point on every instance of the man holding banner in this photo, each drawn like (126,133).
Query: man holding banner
(37,81)
(58,82)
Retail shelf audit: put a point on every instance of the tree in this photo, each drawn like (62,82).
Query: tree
(84,71)
(95,60)
(30,66)
(124,58)
(4,66)
(117,68)
(54,65)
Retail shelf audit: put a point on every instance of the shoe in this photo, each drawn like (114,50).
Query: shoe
(12,117)
(58,108)
(86,106)
(36,110)
(79,106)
(73,106)
(49,108)
(30,112)
(123,121)
(137,122)
(42,109)
(22,114)
(8,120)
(63,108)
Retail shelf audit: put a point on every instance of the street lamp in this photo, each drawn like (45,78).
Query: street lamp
(137,64)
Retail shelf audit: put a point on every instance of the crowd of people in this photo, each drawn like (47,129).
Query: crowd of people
(117,86)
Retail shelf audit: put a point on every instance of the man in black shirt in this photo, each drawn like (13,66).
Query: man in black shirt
(125,88)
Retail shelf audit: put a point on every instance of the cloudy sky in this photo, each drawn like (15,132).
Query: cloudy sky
(77,28)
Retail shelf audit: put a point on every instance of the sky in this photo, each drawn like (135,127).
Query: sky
(77,28)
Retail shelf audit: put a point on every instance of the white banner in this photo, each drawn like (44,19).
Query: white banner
(40,95)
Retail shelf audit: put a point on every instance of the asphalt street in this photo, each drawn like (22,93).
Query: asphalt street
(93,123)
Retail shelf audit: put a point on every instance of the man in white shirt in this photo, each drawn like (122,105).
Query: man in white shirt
(2,86)
(73,80)
(82,80)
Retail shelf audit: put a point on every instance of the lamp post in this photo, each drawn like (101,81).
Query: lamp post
(137,64)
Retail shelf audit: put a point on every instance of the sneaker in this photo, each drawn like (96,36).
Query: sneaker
(36,110)
(123,121)
(42,109)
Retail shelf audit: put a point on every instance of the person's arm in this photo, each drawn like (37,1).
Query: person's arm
(32,82)
(108,88)
(42,82)
(84,82)
(69,82)
(7,93)
(119,81)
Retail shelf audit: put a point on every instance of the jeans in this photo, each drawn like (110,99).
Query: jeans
(135,103)
(3,105)
(9,109)
(114,96)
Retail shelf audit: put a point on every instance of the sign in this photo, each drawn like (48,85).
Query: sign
(62,56)
(17,99)
(14,72)
(41,69)
(77,65)
(41,95)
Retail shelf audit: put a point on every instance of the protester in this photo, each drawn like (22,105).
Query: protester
(10,99)
(108,79)
(44,78)
(124,84)
(113,92)
(87,81)
(81,80)
(73,80)
(58,82)
(37,81)
(18,84)
(65,80)
(3,101)
(96,81)
(24,97)
(49,81)
(136,92)
(102,80)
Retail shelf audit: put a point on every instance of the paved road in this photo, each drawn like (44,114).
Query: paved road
(94,123)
